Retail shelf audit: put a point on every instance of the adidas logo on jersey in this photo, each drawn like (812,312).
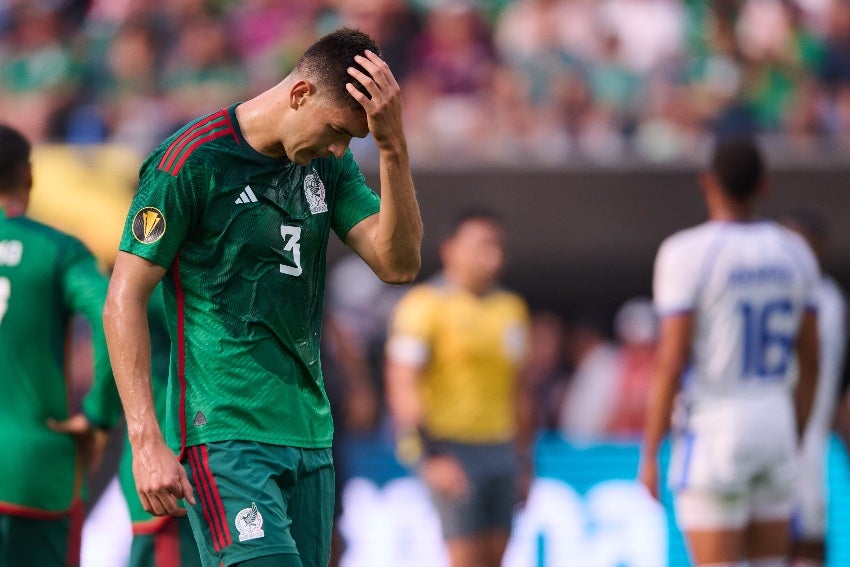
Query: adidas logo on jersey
(246,196)
(200,420)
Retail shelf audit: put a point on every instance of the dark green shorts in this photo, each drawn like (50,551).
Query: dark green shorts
(172,544)
(35,542)
(254,499)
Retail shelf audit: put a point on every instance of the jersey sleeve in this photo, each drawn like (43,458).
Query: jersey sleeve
(165,209)
(675,282)
(84,287)
(411,328)
(354,199)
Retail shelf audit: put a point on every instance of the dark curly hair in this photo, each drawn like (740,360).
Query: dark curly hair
(326,63)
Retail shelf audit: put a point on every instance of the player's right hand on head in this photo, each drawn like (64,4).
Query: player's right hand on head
(160,480)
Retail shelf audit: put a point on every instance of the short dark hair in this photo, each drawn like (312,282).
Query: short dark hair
(327,61)
(474,214)
(14,158)
(738,165)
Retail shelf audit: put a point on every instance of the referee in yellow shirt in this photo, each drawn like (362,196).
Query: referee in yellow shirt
(455,355)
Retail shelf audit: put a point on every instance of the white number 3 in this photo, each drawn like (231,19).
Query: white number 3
(5,292)
(291,236)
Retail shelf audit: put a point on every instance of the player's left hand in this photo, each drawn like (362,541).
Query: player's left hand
(383,109)
(91,440)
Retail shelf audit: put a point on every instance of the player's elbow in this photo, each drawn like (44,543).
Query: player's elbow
(401,274)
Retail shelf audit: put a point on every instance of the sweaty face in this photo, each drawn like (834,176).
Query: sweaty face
(324,129)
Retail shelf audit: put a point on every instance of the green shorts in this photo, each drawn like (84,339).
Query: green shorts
(36,542)
(254,499)
(171,544)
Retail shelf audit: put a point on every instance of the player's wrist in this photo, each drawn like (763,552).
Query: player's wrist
(409,448)
(413,447)
(143,434)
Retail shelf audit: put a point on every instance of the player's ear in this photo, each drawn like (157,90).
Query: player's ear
(299,93)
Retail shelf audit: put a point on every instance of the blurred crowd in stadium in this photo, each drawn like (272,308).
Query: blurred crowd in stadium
(487,81)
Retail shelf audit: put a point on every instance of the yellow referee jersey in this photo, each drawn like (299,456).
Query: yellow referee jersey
(470,349)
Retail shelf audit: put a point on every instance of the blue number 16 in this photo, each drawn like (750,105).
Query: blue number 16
(767,352)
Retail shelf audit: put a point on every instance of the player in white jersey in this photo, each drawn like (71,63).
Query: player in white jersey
(809,523)
(739,345)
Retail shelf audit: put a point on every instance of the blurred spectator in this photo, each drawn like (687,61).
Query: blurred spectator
(484,82)
(354,409)
(545,38)
(636,329)
(547,372)
(269,35)
(360,305)
(203,74)
(591,395)
(37,70)
(650,33)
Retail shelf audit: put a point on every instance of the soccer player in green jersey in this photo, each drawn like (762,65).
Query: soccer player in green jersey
(45,278)
(234,212)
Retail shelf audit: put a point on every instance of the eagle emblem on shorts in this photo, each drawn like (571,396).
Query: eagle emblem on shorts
(249,523)
(314,191)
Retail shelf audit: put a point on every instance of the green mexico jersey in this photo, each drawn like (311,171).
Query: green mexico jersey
(45,278)
(243,237)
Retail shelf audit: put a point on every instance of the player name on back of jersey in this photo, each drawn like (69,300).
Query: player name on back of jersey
(760,274)
(11,252)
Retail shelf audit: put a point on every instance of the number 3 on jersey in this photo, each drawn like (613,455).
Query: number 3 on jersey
(291,237)
(767,347)
(5,293)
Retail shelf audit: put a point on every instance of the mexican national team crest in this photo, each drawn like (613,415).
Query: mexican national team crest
(148,225)
(314,190)
(249,523)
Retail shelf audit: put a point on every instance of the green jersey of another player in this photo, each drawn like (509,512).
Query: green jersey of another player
(45,278)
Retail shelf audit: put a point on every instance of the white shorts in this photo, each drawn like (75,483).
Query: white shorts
(735,464)
(809,518)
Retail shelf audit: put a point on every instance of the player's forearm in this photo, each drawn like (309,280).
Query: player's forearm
(126,326)
(659,411)
(402,397)
(808,352)
(670,360)
(398,239)
(87,286)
